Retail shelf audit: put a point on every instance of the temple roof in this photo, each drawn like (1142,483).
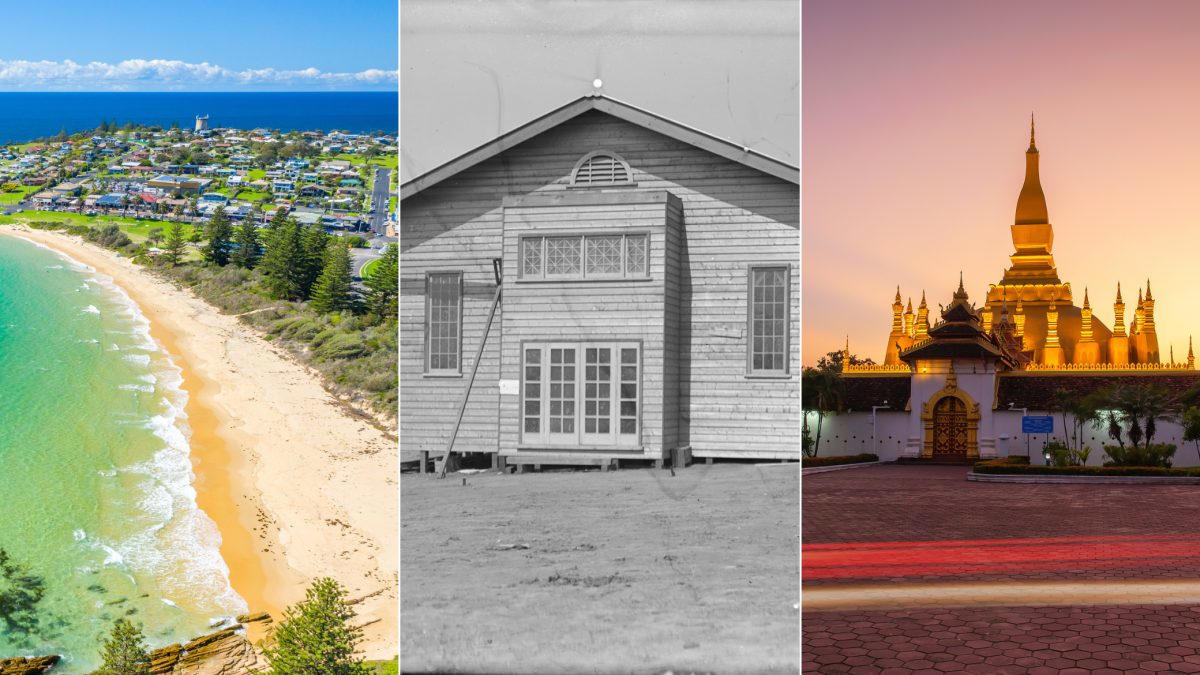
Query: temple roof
(863,392)
(972,347)
(1036,391)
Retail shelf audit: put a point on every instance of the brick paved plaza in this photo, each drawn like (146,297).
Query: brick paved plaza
(916,557)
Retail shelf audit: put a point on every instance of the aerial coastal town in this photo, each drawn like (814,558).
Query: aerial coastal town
(343,180)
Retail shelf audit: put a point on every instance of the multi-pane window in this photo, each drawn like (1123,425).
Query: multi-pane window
(443,337)
(581,394)
(768,320)
(584,256)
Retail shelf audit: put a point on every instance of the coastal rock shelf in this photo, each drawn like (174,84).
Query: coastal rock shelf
(226,652)
(35,665)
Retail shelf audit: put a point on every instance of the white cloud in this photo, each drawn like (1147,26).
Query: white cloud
(138,74)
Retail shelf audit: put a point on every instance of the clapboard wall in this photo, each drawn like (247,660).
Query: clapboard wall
(733,216)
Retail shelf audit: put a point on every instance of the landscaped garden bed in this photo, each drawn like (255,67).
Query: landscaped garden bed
(810,462)
(1018,466)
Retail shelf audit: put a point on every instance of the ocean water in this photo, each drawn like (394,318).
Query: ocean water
(28,115)
(95,478)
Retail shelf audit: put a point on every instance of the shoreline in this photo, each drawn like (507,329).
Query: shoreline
(267,443)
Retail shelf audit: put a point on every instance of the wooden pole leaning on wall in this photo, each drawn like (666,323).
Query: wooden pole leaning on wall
(462,406)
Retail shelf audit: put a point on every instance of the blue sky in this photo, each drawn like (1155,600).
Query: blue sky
(214,45)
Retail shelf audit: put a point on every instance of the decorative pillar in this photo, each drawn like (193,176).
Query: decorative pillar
(1052,354)
(1019,318)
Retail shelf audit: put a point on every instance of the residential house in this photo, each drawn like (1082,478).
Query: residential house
(649,306)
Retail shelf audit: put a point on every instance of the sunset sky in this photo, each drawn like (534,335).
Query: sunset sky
(915,120)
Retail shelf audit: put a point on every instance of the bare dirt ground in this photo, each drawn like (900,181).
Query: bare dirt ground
(633,571)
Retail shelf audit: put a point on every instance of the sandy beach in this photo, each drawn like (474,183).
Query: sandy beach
(298,487)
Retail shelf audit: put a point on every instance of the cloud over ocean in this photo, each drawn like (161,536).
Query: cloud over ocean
(163,75)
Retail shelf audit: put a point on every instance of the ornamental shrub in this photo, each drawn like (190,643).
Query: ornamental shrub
(1155,454)
(807,462)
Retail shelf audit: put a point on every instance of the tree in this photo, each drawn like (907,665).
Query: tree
(155,236)
(283,260)
(178,212)
(833,361)
(125,651)
(383,282)
(821,392)
(314,245)
(249,248)
(220,238)
(124,204)
(331,293)
(175,244)
(315,637)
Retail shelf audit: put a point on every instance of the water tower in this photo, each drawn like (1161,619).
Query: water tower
(201,123)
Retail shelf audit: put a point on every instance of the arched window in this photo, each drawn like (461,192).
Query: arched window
(601,168)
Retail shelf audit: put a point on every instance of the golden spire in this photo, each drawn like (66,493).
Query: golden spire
(922,320)
(1148,290)
(909,323)
(1119,314)
(1172,348)
(1148,311)
(1085,333)
(1191,357)
(846,356)
(898,294)
(1141,303)
(1085,299)
(1031,204)
(897,319)
(1019,319)
(1052,325)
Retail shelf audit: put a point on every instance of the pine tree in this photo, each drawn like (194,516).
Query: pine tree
(125,652)
(173,249)
(248,251)
(315,244)
(282,262)
(383,282)
(220,235)
(315,637)
(331,293)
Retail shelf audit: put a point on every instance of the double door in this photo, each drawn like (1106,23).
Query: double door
(581,394)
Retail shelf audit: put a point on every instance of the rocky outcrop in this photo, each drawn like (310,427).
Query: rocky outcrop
(226,652)
(35,665)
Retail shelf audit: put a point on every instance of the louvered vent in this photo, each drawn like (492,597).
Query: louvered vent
(601,169)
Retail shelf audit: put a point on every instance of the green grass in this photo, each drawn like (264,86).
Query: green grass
(137,230)
(366,270)
(384,667)
(18,195)
(249,195)
(391,204)
(386,161)
(256,174)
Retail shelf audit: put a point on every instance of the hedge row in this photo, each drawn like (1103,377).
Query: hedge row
(1017,466)
(807,462)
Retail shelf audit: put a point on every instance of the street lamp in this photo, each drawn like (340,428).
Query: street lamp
(875,443)
(1046,454)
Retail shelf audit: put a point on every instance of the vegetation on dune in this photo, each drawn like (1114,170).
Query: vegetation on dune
(315,637)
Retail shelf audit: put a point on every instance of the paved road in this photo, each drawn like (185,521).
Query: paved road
(379,201)
(902,567)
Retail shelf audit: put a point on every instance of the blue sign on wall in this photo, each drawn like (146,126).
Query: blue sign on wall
(1037,425)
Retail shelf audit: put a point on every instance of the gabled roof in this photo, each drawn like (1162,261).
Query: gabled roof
(618,109)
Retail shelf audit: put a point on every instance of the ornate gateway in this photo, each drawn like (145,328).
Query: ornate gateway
(951,420)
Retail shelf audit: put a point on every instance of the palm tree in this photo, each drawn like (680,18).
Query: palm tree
(1062,401)
(823,389)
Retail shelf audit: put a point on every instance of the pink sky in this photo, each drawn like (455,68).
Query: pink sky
(915,120)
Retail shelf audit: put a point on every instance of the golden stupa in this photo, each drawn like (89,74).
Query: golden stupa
(1037,308)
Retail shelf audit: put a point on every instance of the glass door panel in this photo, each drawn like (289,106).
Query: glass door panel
(562,413)
(598,427)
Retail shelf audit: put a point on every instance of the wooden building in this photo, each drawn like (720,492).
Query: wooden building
(650,302)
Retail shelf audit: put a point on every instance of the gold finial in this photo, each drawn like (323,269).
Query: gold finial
(1031,143)
(909,310)
(897,295)
(1140,302)
(922,299)
(1119,292)
(846,356)
(1085,298)
(1148,290)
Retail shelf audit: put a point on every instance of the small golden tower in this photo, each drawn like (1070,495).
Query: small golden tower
(897,339)
(1191,357)
(1119,343)
(1087,350)
(909,324)
(1052,354)
(1148,343)
(1085,333)
(922,320)
(1139,316)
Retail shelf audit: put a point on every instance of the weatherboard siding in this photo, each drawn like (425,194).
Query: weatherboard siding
(733,217)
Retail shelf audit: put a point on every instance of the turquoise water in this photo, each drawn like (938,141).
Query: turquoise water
(95,478)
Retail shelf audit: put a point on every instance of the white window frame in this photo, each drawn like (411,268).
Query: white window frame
(429,369)
(583,275)
(579,438)
(751,371)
